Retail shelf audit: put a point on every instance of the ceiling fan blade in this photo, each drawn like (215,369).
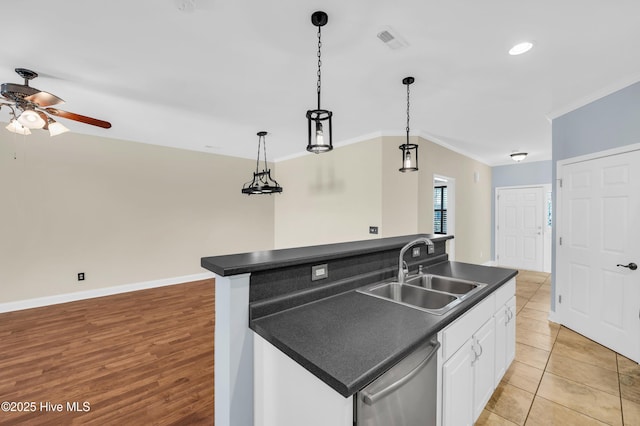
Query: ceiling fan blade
(44,99)
(78,117)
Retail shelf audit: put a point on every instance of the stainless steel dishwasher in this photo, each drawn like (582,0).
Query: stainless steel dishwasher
(405,395)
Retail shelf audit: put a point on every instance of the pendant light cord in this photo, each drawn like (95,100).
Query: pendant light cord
(319,64)
(408,105)
(264,150)
(258,156)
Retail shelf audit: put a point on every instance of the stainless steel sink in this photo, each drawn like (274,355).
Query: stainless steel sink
(430,293)
(459,287)
(431,301)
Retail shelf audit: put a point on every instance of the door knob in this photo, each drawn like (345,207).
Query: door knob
(631,266)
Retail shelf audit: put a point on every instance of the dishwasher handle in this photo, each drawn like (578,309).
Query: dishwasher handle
(370,399)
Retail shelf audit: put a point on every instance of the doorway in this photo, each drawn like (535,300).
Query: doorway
(598,248)
(523,227)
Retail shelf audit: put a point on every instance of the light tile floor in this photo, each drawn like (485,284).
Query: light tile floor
(560,377)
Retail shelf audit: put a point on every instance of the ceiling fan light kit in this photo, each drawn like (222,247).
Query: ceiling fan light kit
(56,128)
(18,128)
(30,108)
(31,119)
(319,120)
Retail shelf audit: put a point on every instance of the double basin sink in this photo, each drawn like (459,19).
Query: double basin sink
(434,294)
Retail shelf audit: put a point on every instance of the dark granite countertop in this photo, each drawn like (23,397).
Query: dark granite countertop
(234,264)
(349,339)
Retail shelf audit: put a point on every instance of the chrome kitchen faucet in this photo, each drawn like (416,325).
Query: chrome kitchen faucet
(403,250)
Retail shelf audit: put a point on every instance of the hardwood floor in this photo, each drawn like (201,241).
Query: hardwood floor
(136,358)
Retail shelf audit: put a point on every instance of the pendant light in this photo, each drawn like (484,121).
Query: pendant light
(262,183)
(409,150)
(319,120)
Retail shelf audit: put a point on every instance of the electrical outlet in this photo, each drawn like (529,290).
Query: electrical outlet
(373,229)
(415,252)
(80,276)
(320,272)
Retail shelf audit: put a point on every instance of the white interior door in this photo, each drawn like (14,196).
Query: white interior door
(520,220)
(598,232)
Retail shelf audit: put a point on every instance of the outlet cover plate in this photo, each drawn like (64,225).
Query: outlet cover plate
(320,272)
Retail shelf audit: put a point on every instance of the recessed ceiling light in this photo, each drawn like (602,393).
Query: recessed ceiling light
(521,48)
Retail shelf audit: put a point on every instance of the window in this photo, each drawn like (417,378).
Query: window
(440,210)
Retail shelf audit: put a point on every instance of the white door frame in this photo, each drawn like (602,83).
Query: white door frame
(546,237)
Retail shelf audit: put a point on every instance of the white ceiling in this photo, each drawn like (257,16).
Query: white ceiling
(210,76)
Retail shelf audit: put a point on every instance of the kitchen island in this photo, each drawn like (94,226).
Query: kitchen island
(341,338)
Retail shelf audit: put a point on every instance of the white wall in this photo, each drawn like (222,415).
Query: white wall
(121,212)
(331,197)
(472,203)
(125,213)
(335,196)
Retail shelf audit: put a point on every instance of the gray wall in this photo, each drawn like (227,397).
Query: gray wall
(609,122)
(517,174)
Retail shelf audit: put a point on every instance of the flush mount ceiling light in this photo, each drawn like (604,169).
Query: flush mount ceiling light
(319,120)
(262,183)
(520,48)
(409,150)
(519,156)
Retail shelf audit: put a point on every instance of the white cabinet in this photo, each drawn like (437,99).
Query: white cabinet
(467,377)
(468,369)
(477,349)
(483,366)
(505,337)
(457,395)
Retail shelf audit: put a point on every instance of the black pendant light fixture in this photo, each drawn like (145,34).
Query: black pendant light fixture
(409,150)
(262,182)
(319,120)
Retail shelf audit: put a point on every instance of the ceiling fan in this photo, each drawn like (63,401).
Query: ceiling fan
(31,108)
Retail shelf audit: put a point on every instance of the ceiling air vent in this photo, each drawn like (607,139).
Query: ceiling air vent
(391,38)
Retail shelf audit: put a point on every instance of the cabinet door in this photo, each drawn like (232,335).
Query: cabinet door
(511,331)
(484,366)
(457,379)
(502,324)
